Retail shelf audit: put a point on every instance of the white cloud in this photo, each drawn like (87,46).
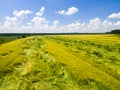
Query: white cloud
(17,18)
(61,12)
(106,23)
(94,23)
(114,15)
(39,24)
(22,13)
(41,12)
(10,21)
(29,24)
(70,11)
(55,23)
(75,27)
(39,20)
(117,23)
(13,19)
(0,24)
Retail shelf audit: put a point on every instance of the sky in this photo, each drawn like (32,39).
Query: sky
(59,16)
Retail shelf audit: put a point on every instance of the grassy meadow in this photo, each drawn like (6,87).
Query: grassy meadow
(61,62)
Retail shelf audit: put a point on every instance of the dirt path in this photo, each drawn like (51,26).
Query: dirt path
(80,68)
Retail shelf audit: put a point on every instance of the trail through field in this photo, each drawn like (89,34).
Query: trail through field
(80,68)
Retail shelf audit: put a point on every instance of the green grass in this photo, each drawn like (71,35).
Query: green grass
(101,54)
(72,62)
(39,70)
(5,39)
(80,68)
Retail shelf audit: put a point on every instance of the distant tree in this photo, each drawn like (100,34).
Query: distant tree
(117,31)
(19,37)
(23,36)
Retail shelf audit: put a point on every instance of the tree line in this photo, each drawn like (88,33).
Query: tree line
(116,31)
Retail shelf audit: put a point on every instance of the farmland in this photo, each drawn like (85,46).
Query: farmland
(4,39)
(61,62)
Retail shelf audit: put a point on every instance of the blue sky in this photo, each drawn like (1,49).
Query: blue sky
(59,15)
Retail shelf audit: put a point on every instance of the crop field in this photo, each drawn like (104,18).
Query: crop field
(61,62)
(5,39)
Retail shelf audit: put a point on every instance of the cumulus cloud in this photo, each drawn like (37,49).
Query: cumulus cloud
(39,19)
(76,26)
(10,21)
(70,11)
(18,16)
(94,23)
(22,13)
(55,23)
(117,23)
(106,23)
(114,15)
(41,12)
(39,24)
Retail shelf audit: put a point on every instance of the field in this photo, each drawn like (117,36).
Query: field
(5,39)
(61,62)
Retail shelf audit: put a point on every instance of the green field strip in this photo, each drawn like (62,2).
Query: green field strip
(39,71)
(97,54)
(11,59)
(111,39)
(11,53)
(79,67)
